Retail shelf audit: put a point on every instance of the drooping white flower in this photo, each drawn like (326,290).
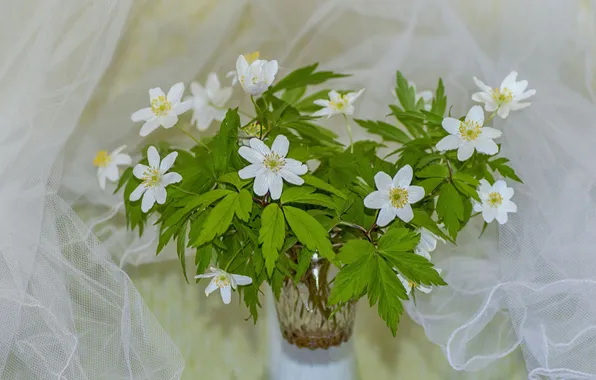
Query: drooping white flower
(250,58)
(155,179)
(255,77)
(467,135)
(208,102)
(394,196)
(337,104)
(409,285)
(164,109)
(508,97)
(107,165)
(225,282)
(269,167)
(496,201)
(428,243)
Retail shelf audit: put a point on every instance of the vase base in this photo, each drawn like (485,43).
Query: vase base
(313,340)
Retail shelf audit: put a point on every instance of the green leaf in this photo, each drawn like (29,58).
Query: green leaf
(165,236)
(430,184)
(322,185)
(126,175)
(466,178)
(233,179)
(309,232)
(181,248)
(398,240)
(450,208)
(508,172)
(423,219)
(351,281)
(304,259)
(272,235)
(219,219)
(440,100)
(414,267)
(307,104)
(244,205)
(225,142)
(355,249)
(387,131)
(405,93)
(203,258)
(293,95)
(386,288)
(304,195)
(434,171)
(467,190)
(304,76)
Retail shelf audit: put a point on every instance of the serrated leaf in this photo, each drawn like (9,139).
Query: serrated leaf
(293,95)
(207,199)
(233,179)
(243,207)
(405,93)
(467,178)
(164,238)
(203,258)
(309,231)
(351,281)
(219,219)
(414,267)
(272,235)
(440,100)
(494,164)
(430,184)
(126,175)
(434,171)
(398,240)
(225,142)
(304,76)
(320,184)
(508,172)
(467,190)
(386,288)
(304,260)
(450,208)
(354,250)
(387,131)
(423,219)
(181,248)
(304,195)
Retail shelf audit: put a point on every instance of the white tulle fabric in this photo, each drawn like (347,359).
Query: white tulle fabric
(67,311)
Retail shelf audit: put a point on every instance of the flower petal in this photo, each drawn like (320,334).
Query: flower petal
(486,146)
(206,275)
(334,96)
(148,200)
(250,171)
(242,280)
(197,90)
(503,111)
(377,200)
(403,178)
(481,85)
(170,178)
(489,214)
(352,96)
(212,85)
(451,125)
(211,287)
(518,106)
(509,80)
(175,93)
(226,294)
(476,114)
(508,206)
(220,98)
(259,146)
(291,177)
(149,127)
(139,170)
(167,162)
(501,216)
(484,187)
(424,289)
(101,179)
(137,193)
(169,120)
(491,133)
(111,172)
(482,97)
(251,155)
(322,102)
(281,145)
(160,194)
(525,95)
(182,107)
(155,93)
(324,112)
(121,159)
(153,157)
(241,65)
(295,166)
(406,284)
(275,185)
(142,115)
(386,215)
(449,143)
(261,186)
(415,194)
(465,151)
(383,181)
(405,213)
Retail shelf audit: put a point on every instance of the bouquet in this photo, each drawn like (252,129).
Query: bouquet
(273,189)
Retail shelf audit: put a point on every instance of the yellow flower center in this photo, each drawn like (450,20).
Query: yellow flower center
(251,57)
(398,197)
(160,106)
(151,177)
(222,281)
(339,104)
(412,284)
(253,129)
(495,199)
(102,159)
(504,96)
(469,130)
(273,162)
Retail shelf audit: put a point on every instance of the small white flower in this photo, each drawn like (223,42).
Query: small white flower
(269,167)
(107,165)
(428,243)
(409,285)
(225,282)
(164,109)
(250,58)
(255,77)
(155,179)
(506,98)
(467,135)
(208,102)
(496,201)
(394,196)
(337,104)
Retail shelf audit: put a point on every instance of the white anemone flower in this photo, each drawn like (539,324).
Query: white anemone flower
(428,243)
(255,77)
(107,165)
(469,135)
(337,104)
(225,282)
(270,167)
(508,97)
(250,58)
(394,196)
(409,285)
(155,179)
(496,201)
(164,109)
(208,102)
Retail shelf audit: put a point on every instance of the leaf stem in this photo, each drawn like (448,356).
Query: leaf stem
(192,137)
(185,191)
(492,116)
(357,227)
(349,128)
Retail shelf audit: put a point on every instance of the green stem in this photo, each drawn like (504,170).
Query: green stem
(192,137)
(349,128)
(252,99)
(184,191)
(492,116)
